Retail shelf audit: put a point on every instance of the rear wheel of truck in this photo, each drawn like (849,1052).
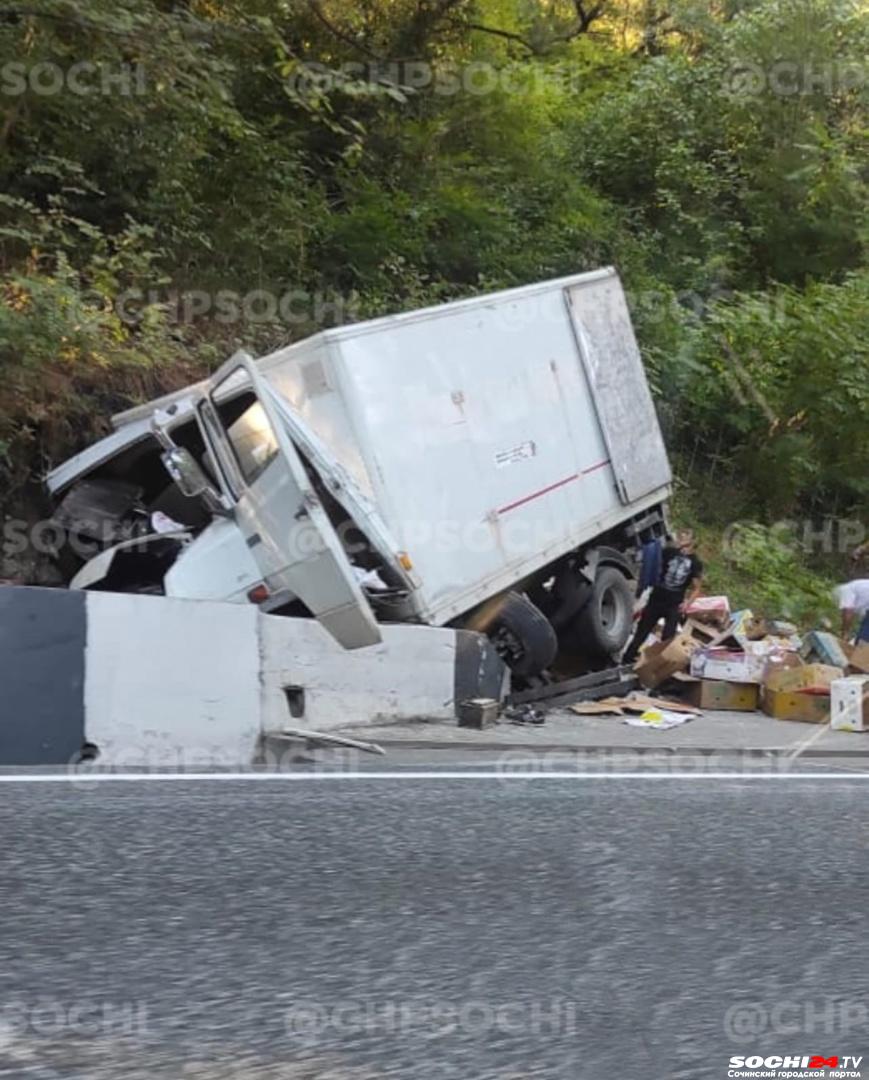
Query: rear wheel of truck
(603,626)
(522,635)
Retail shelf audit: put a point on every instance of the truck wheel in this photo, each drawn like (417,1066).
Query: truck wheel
(604,625)
(522,635)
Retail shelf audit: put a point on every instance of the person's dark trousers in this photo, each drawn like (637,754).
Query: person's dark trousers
(863,632)
(663,604)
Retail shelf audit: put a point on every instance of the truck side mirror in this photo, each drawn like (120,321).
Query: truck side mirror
(185,471)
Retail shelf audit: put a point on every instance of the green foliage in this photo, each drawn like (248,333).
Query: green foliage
(743,161)
(714,154)
(781,379)
(67,357)
(763,568)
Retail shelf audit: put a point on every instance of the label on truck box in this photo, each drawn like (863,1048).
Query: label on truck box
(515,453)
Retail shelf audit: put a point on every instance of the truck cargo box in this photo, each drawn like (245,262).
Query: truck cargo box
(492,434)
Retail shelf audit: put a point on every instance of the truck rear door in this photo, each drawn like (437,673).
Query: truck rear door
(276,507)
(617,382)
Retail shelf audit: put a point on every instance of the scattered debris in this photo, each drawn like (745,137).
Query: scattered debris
(660,719)
(743,662)
(610,706)
(634,703)
(737,663)
(597,684)
(313,739)
(524,714)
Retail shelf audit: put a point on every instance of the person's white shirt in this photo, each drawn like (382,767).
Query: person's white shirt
(854,596)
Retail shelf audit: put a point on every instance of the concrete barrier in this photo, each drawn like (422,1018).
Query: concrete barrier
(310,681)
(171,682)
(163,683)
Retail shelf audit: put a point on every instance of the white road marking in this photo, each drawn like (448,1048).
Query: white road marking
(95,778)
(805,743)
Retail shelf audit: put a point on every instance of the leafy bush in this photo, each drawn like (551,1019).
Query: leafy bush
(762,568)
(734,212)
(67,357)
(779,382)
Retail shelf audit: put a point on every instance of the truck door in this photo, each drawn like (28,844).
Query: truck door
(276,508)
(617,383)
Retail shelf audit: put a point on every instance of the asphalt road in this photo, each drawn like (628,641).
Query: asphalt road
(430,928)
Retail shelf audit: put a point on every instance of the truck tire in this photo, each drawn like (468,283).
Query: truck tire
(604,625)
(571,591)
(523,636)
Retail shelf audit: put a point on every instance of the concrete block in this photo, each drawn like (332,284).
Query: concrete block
(410,674)
(171,682)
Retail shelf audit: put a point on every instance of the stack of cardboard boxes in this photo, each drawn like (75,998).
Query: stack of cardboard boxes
(827,682)
(750,663)
(724,678)
(796,690)
(718,659)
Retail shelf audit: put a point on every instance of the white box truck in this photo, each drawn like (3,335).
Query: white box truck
(492,463)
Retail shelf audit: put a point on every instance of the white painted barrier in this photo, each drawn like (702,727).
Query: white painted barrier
(162,683)
(171,682)
(410,674)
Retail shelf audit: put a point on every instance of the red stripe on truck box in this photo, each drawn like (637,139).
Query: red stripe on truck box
(551,487)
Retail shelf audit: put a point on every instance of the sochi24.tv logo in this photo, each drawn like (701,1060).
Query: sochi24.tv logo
(777,1062)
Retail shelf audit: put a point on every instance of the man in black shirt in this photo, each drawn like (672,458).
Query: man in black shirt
(681,570)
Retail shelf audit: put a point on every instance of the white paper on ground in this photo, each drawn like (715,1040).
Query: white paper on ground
(658,718)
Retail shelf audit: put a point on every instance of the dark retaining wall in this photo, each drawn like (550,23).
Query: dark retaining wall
(42,667)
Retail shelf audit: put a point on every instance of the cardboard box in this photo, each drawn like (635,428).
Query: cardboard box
(754,628)
(858,658)
(807,678)
(732,661)
(807,708)
(777,660)
(700,631)
(662,660)
(727,639)
(729,664)
(710,609)
(748,626)
(717,694)
(769,653)
(824,648)
(849,703)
